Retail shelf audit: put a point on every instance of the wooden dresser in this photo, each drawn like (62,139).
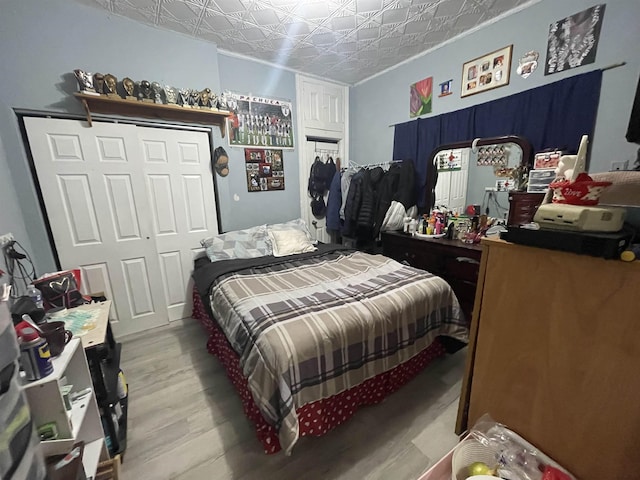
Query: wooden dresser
(554,354)
(456,262)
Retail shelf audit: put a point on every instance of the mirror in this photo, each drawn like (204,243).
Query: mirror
(479,172)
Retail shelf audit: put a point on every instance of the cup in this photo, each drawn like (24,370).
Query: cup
(57,336)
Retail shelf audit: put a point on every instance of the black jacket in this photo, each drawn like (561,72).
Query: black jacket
(352,205)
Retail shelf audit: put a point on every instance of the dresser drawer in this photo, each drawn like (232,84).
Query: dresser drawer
(465,291)
(462,268)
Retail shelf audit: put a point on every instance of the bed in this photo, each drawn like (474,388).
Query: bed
(310,337)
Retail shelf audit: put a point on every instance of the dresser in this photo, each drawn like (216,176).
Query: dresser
(456,262)
(523,206)
(554,355)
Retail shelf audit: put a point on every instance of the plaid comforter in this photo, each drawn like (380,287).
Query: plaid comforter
(307,328)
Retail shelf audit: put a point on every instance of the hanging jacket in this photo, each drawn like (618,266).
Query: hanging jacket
(406,190)
(334,202)
(386,191)
(352,206)
(367,214)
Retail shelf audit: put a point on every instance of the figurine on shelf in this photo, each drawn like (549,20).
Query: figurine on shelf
(194,97)
(184,97)
(205,98)
(213,101)
(172,94)
(111,85)
(144,91)
(232,104)
(85,81)
(157,92)
(222,102)
(98,82)
(129,89)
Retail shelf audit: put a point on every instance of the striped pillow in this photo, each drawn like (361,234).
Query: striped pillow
(250,243)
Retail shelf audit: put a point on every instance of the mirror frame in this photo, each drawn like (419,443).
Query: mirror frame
(432,173)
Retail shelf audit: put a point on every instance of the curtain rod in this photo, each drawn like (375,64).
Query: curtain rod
(610,67)
(614,65)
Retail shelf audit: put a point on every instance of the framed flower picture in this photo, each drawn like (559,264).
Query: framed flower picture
(487,72)
(420,97)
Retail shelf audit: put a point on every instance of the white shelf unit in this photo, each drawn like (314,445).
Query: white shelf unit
(82,422)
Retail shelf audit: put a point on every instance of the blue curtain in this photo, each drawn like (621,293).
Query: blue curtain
(552,116)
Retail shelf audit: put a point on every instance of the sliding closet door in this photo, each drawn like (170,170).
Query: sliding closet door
(179,186)
(116,215)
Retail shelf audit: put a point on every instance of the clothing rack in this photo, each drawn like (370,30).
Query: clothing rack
(388,163)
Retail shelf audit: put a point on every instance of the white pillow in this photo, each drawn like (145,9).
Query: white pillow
(289,242)
(297,224)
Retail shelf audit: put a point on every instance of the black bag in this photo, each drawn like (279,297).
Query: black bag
(321,176)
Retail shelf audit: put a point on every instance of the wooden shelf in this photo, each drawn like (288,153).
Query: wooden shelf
(120,106)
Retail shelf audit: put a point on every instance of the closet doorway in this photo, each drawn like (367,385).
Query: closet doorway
(324,150)
(128,205)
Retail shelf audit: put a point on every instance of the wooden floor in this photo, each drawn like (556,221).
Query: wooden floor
(186,421)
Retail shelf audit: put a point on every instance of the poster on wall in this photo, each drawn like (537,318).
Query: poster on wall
(450,161)
(573,41)
(420,97)
(486,72)
(265,169)
(259,122)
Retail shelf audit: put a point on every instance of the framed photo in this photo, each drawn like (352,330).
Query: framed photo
(445,88)
(487,72)
(265,170)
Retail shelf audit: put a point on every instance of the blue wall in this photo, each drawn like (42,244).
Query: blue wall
(372,139)
(249,209)
(41,47)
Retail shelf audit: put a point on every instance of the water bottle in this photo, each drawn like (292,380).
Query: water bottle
(35,295)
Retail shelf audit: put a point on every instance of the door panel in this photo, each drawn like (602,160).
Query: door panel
(180,189)
(194,205)
(136,277)
(78,205)
(95,279)
(123,207)
(108,190)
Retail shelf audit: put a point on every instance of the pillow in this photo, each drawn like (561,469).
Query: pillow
(250,243)
(289,242)
(297,224)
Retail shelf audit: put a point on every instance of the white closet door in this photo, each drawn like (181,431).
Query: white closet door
(179,185)
(128,205)
(94,192)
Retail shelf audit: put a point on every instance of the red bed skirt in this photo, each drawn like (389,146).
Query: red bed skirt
(319,417)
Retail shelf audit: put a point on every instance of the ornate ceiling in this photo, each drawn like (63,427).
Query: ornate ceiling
(342,40)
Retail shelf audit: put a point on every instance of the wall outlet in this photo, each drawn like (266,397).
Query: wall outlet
(619,165)
(6,238)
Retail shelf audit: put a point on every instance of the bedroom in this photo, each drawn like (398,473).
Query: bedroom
(69,35)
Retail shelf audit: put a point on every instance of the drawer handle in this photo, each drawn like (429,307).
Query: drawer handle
(467,260)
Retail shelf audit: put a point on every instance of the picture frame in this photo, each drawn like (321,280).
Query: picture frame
(445,88)
(487,72)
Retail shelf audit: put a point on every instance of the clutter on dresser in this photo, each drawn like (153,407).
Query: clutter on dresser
(570,217)
(570,201)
